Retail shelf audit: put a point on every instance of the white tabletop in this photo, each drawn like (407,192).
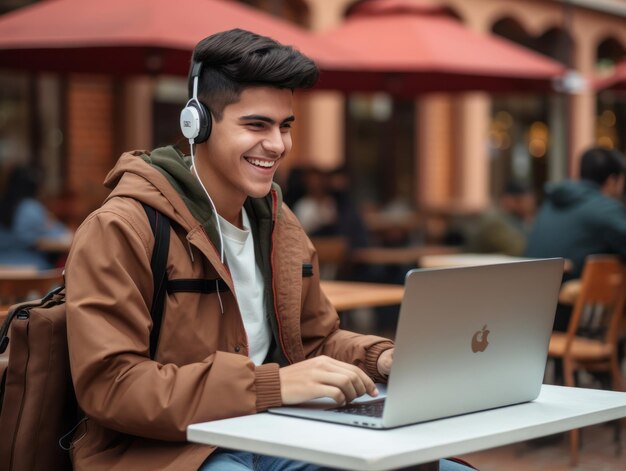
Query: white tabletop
(557,409)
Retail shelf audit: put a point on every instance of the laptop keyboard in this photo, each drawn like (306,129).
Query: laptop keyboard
(367,409)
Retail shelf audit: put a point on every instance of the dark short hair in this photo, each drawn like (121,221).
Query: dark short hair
(236,59)
(598,164)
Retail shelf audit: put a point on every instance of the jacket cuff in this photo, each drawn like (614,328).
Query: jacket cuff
(267,384)
(371,360)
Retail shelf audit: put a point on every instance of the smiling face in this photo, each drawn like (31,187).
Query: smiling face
(245,148)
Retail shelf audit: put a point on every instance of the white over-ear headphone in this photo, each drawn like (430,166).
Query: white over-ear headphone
(195,120)
(195,123)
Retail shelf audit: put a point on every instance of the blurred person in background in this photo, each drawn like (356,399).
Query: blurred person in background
(582,217)
(351,224)
(326,210)
(504,228)
(24,221)
(317,208)
(292,184)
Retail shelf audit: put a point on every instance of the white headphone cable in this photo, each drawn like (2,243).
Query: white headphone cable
(217,218)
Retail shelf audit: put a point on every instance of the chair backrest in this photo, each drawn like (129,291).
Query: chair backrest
(332,252)
(23,283)
(599,306)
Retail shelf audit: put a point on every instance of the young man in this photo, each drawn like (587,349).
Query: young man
(256,331)
(585,216)
(582,217)
(504,229)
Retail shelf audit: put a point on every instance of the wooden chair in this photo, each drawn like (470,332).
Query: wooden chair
(590,342)
(22,283)
(332,253)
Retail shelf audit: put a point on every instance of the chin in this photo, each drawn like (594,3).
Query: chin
(259,191)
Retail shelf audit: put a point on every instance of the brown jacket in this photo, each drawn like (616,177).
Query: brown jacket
(139,409)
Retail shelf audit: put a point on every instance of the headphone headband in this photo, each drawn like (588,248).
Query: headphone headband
(195,120)
(196,68)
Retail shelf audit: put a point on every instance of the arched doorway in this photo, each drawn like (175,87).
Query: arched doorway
(528,133)
(610,129)
(380,146)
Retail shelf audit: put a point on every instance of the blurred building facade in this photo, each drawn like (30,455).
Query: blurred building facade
(437,152)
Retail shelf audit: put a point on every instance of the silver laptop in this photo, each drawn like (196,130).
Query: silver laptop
(468,339)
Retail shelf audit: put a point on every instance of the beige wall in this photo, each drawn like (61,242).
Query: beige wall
(138,96)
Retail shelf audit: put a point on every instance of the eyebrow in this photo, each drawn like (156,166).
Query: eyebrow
(266,119)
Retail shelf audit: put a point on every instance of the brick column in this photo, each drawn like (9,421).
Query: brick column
(90,140)
(325,130)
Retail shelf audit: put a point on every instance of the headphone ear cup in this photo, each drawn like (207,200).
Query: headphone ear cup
(195,122)
(205,122)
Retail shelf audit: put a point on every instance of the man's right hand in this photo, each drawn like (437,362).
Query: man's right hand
(323,377)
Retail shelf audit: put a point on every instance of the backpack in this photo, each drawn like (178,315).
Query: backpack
(38,408)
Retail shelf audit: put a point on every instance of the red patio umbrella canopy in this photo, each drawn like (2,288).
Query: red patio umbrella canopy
(121,37)
(422,49)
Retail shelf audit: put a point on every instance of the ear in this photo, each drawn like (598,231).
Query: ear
(614,185)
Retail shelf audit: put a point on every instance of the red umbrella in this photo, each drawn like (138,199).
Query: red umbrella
(121,37)
(415,48)
(616,81)
(382,48)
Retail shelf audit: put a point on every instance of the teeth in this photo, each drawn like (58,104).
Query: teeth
(262,163)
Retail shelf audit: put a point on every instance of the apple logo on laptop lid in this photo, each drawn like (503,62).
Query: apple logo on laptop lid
(479,340)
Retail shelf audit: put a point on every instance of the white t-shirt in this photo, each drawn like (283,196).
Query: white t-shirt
(249,286)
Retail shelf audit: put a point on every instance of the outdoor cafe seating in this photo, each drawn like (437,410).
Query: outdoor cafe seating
(591,340)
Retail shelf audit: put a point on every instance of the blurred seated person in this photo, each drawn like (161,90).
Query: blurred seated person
(24,221)
(326,208)
(582,217)
(317,208)
(350,221)
(292,184)
(504,228)
(585,216)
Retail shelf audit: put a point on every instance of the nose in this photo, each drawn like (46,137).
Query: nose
(275,142)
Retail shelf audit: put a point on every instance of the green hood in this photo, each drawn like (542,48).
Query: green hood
(176,167)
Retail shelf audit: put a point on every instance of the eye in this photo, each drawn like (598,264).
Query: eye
(256,124)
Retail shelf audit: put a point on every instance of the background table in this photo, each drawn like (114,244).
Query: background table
(400,255)
(557,409)
(345,295)
(55,244)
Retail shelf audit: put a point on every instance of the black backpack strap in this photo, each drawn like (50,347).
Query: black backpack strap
(198,285)
(160,225)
